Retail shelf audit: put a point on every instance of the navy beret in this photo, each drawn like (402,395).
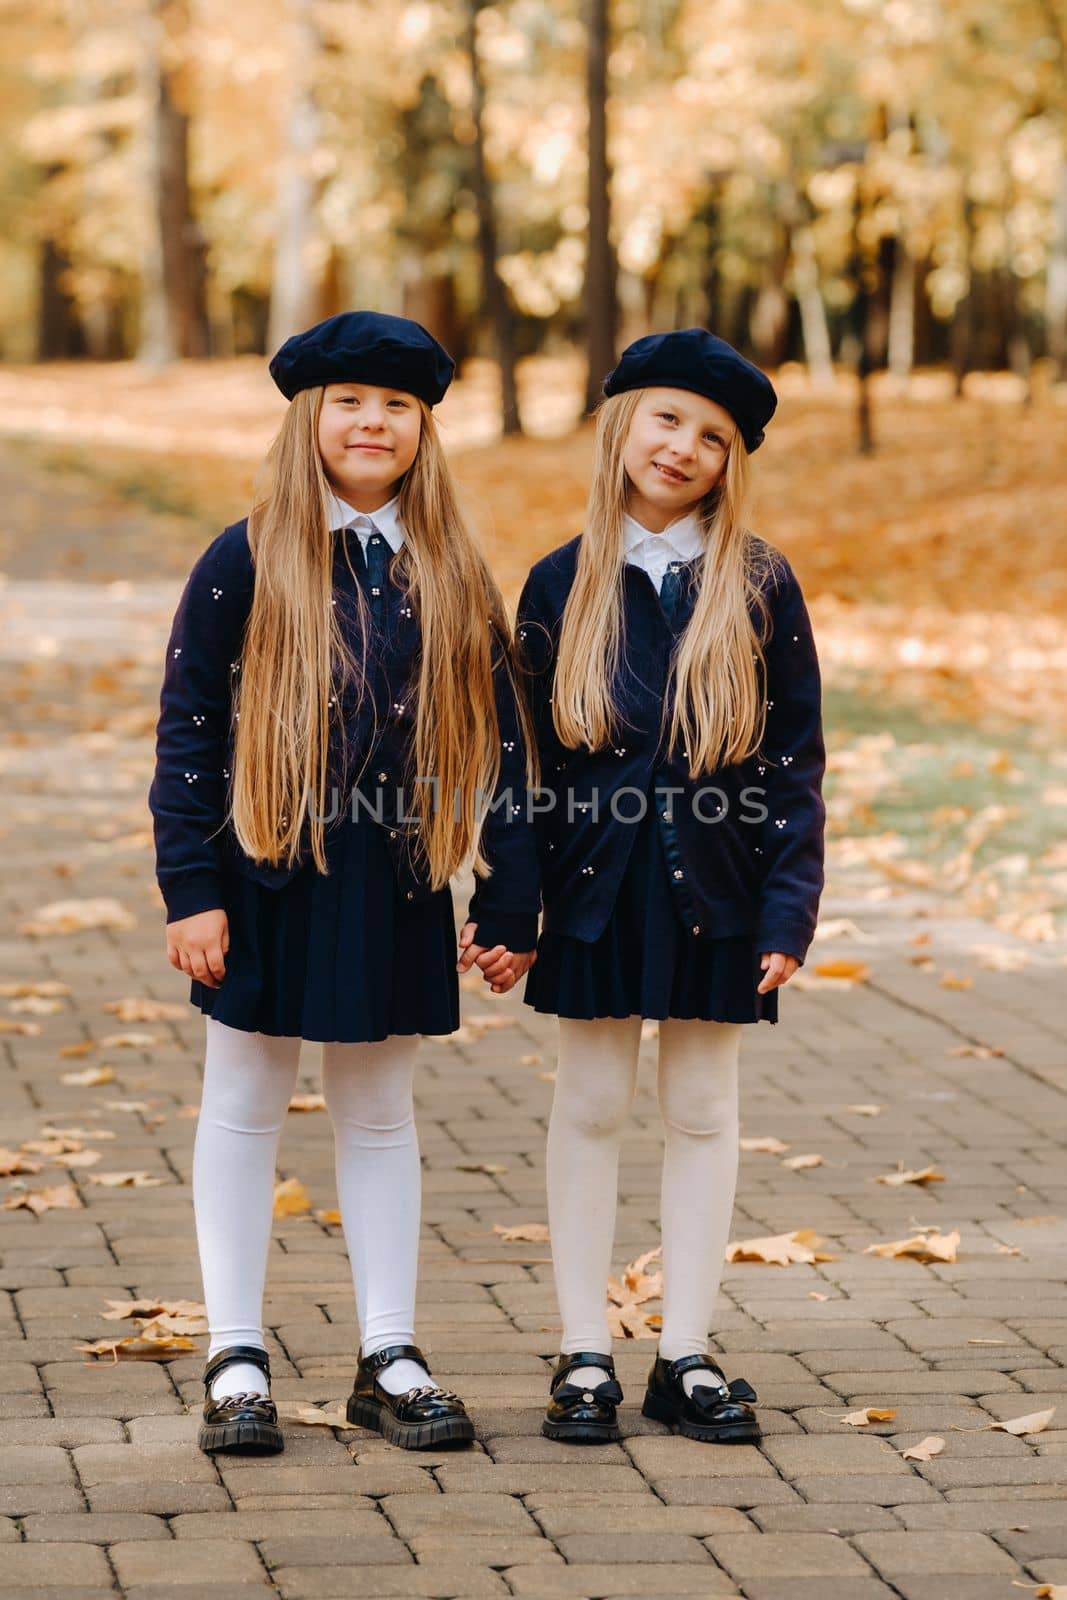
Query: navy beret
(695,359)
(365,347)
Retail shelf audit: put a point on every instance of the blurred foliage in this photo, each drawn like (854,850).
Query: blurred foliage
(770,162)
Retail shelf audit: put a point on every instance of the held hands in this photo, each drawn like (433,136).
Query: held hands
(197,946)
(778,969)
(501,968)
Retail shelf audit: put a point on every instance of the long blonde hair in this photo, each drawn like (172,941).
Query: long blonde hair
(295,659)
(717,716)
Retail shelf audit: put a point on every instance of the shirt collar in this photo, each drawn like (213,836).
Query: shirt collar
(385,519)
(684,538)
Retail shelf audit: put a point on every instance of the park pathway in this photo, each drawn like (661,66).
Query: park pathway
(102,1490)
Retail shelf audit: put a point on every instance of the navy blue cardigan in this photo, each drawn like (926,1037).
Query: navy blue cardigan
(745,844)
(195,844)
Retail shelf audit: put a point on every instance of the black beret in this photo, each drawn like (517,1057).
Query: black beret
(365,347)
(695,359)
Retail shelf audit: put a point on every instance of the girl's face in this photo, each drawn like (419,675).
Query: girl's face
(674,455)
(368,437)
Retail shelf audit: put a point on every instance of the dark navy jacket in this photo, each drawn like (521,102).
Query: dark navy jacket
(731,873)
(195,846)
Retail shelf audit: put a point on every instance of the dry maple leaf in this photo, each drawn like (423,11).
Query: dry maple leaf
(128,1041)
(531,1061)
(982,1052)
(848,971)
(85,1048)
(75,916)
(780,1250)
(802,1163)
(77,1158)
(25,1030)
(132,1107)
(164,1325)
(929,1246)
(136,1347)
(1035,1422)
(49,1132)
(864,1110)
(861,1419)
(491,1169)
(291,1199)
(308,1102)
(125,1180)
(131,1009)
(330,1217)
(813,1294)
(311,1416)
(769,1146)
(13,1163)
(60,1197)
(629,1322)
(911,1175)
(33,1005)
(48,988)
(925,1450)
(91,1078)
(55,1143)
(523,1233)
(120,1309)
(949,980)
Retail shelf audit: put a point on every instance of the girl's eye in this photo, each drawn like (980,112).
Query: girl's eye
(668,416)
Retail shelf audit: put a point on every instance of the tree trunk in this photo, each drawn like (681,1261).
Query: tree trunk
(294,287)
(1056,282)
(600,270)
(494,290)
(58,333)
(174,318)
(902,312)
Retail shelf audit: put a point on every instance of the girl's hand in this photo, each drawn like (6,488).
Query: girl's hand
(778,969)
(501,967)
(197,946)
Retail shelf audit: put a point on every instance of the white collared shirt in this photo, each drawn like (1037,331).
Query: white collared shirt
(385,519)
(683,540)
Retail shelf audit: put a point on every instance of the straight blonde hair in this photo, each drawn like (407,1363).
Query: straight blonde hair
(295,659)
(714,698)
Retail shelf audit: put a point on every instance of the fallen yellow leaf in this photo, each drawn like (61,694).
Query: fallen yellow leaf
(524,1233)
(77,1158)
(802,1163)
(780,1249)
(491,1169)
(949,980)
(138,1010)
(861,1419)
(331,1218)
(866,1110)
(120,1309)
(25,1030)
(74,916)
(125,1180)
(311,1416)
(769,1146)
(853,971)
(910,1175)
(925,1450)
(34,1005)
(91,1078)
(128,1041)
(931,1246)
(813,1294)
(291,1199)
(308,1102)
(1035,1422)
(48,987)
(13,1163)
(60,1197)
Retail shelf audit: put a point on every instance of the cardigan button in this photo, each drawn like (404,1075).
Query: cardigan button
(697,928)
(382,776)
(392,833)
(678,873)
(410,895)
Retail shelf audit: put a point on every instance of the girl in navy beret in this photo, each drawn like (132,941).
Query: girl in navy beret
(336,704)
(675,692)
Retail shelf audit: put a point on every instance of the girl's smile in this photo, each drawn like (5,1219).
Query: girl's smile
(368,437)
(675,453)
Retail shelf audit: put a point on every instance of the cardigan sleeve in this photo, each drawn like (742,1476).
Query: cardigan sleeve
(188,793)
(794,759)
(536,634)
(507,903)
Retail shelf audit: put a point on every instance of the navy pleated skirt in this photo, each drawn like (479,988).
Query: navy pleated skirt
(644,963)
(337,957)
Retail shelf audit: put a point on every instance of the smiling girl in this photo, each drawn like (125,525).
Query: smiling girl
(336,700)
(675,692)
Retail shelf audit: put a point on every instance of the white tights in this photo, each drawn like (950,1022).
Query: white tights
(248,1080)
(697,1086)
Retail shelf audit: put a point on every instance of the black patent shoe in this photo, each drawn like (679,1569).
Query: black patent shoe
(717,1412)
(419,1419)
(241,1424)
(579,1414)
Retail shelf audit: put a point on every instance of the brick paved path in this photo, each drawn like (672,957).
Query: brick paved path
(101,1487)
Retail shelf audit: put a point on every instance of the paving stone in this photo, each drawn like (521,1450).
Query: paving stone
(434,1549)
(922,1554)
(957,1586)
(415,1514)
(158,1497)
(587,1549)
(22,1500)
(24,1464)
(770,1555)
(564,1516)
(982,1516)
(843,1519)
(90,1527)
(388,1583)
(65,1568)
(817,1589)
(190,1561)
(890,1489)
(837,1453)
(362,1548)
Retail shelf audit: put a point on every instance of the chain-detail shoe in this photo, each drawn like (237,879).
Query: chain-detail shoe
(423,1418)
(717,1412)
(580,1414)
(239,1424)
